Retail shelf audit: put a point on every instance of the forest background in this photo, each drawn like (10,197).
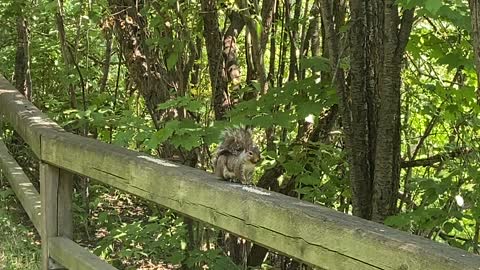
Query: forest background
(367,107)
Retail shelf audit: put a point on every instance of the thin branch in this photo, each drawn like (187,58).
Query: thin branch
(430,161)
(404,32)
(476,236)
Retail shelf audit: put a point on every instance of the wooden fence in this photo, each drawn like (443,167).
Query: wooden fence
(313,234)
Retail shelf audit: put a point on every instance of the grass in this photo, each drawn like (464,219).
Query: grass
(19,241)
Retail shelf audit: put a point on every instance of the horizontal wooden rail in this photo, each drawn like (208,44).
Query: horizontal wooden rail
(74,257)
(21,185)
(311,233)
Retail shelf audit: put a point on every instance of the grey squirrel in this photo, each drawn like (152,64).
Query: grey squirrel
(237,155)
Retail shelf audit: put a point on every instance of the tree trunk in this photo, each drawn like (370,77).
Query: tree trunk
(66,53)
(216,67)
(370,107)
(237,23)
(387,156)
(22,76)
(107,30)
(475,17)
(293,35)
(259,40)
(361,159)
(146,69)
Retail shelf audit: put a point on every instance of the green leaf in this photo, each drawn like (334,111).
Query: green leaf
(167,104)
(176,257)
(304,190)
(102,218)
(448,227)
(452,60)
(407,3)
(458,226)
(6,193)
(163,134)
(293,167)
(172,60)
(120,235)
(316,63)
(283,119)
(309,180)
(433,5)
(262,121)
(187,141)
(398,221)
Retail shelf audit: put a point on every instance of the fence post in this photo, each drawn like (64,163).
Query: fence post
(65,196)
(56,187)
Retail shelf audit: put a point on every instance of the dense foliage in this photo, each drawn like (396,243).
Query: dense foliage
(166,77)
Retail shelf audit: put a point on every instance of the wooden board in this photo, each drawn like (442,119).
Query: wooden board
(308,232)
(49,177)
(21,185)
(75,257)
(25,118)
(311,233)
(64,207)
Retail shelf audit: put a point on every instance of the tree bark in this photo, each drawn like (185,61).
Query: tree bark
(293,35)
(370,107)
(333,49)
(147,70)
(108,56)
(361,162)
(475,18)
(213,42)
(237,24)
(259,40)
(387,156)
(22,76)
(66,55)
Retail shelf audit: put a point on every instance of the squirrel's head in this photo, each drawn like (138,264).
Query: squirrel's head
(254,155)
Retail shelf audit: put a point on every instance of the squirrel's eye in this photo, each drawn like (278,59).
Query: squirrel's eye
(250,153)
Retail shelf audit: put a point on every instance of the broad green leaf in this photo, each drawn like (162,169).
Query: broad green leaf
(316,63)
(309,180)
(448,227)
(433,5)
(172,60)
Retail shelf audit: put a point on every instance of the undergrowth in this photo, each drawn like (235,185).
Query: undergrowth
(19,241)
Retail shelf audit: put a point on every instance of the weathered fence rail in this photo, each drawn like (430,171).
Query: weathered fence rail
(21,185)
(63,250)
(310,233)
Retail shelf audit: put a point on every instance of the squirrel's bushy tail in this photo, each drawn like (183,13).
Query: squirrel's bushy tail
(235,139)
